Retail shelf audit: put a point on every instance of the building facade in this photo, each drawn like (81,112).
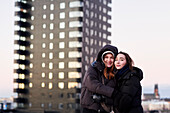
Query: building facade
(55,41)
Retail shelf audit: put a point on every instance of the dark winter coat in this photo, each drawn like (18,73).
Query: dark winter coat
(92,82)
(128,90)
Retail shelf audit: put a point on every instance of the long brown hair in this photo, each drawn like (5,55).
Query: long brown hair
(129,60)
(111,72)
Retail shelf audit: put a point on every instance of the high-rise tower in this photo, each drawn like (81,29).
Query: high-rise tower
(55,41)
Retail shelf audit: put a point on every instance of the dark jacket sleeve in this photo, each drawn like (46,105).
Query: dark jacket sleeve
(94,83)
(126,93)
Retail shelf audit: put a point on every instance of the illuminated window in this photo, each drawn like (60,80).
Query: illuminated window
(61,45)
(73,44)
(62,5)
(44,6)
(44,26)
(31,65)
(51,26)
(50,65)
(21,85)
(50,55)
(73,34)
(32,37)
(30,85)
(61,65)
(74,75)
(51,35)
(51,46)
(61,85)
(44,16)
(43,84)
(74,85)
(31,75)
(51,6)
(51,16)
(61,75)
(32,17)
(76,4)
(43,45)
(62,15)
(50,85)
(62,25)
(61,54)
(74,14)
(74,54)
(43,65)
(75,24)
(32,27)
(50,75)
(74,64)
(43,35)
(62,35)
(43,55)
(31,56)
(43,75)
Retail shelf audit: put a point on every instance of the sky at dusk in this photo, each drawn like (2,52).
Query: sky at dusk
(140,28)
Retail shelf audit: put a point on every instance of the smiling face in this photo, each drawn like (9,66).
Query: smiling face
(120,61)
(108,60)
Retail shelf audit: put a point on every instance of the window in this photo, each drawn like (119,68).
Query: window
(61,65)
(50,75)
(43,75)
(43,84)
(44,26)
(61,85)
(60,106)
(51,35)
(43,55)
(51,26)
(43,35)
(31,65)
(30,85)
(43,65)
(31,46)
(50,55)
(61,54)
(31,56)
(51,6)
(73,34)
(62,5)
(51,46)
(44,16)
(74,64)
(62,35)
(61,75)
(76,4)
(50,85)
(74,85)
(62,25)
(62,15)
(75,24)
(43,45)
(50,65)
(74,14)
(44,7)
(61,45)
(73,44)
(74,75)
(74,54)
(51,16)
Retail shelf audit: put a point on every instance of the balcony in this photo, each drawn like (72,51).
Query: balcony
(24,91)
(23,33)
(78,80)
(25,62)
(25,81)
(23,5)
(78,69)
(22,43)
(23,15)
(22,52)
(22,71)
(23,24)
(21,100)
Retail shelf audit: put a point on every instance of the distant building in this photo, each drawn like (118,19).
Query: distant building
(55,41)
(150,96)
(6,103)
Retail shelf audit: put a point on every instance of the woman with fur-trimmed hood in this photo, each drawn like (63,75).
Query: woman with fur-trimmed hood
(99,80)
